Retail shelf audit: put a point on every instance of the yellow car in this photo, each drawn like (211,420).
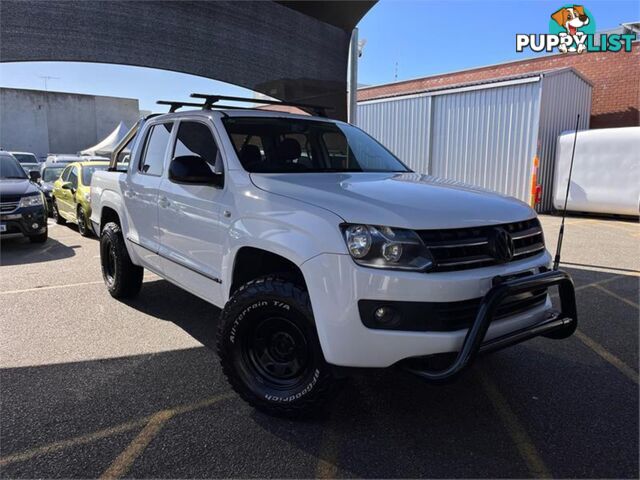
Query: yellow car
(71,195)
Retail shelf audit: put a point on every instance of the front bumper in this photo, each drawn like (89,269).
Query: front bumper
(558,324)
(21,221)
(336,284)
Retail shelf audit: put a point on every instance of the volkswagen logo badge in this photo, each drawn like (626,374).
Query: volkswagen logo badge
(501,245)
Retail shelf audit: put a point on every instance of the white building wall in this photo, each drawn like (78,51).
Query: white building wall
(54,122)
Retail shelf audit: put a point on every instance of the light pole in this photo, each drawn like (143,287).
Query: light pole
(355,51)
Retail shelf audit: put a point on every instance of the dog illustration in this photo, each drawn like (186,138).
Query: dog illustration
(571,19)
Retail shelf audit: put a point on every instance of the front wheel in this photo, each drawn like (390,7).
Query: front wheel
(55,213)
(269,348)
(84,230)
(122,277)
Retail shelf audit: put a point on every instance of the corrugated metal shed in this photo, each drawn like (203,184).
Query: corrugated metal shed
(484,133)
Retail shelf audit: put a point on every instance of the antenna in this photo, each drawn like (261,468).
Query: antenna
(556,261)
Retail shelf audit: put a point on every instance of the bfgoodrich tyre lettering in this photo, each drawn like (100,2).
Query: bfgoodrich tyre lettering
(269,348)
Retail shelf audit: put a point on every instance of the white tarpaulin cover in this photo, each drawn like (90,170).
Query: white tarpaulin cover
(106,146)
(606,171)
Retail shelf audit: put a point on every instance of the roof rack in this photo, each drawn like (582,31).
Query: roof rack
(210,100)
(173,106)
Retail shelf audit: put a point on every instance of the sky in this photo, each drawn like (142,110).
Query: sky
(424,37)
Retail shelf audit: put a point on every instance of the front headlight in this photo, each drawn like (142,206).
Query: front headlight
(386,247)
(31,201)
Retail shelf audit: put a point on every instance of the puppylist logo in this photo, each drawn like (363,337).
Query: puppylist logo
(572,29)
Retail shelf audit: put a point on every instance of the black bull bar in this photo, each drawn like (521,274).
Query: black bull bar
(559,324)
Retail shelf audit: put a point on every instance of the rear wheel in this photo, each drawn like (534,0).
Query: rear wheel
(83,228)
(122,277)
(269,348)
(55,213)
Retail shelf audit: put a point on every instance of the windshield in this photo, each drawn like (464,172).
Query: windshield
(10,168)
(25,158)
(51,174)
(284,145)
(87,173)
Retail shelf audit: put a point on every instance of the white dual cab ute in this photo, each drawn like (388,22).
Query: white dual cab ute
(323,250)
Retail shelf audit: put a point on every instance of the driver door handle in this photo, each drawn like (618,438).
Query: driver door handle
(163,202)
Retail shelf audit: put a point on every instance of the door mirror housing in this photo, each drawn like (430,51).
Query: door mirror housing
(34,175)
(195,170)
(67,186)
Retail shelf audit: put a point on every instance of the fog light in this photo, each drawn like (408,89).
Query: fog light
(34,226)
(385,315)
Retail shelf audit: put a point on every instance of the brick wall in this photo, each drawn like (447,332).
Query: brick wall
(615,78)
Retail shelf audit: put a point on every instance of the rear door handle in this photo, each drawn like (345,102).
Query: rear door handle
(129,193)
(163,202)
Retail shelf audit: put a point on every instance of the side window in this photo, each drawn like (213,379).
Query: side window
(152,159)
(65,174)
(195,139)
(73,177)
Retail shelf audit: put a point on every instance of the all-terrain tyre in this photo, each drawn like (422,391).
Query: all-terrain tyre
(83,228)
(122,277)
(269,348)
(55,213)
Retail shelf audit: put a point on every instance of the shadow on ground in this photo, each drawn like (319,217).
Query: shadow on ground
(20,251)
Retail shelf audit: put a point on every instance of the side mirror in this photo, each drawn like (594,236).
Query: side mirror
(193,169)
(34,175)
(66,186)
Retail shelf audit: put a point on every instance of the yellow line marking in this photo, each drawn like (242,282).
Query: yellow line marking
(516,431)
(589,285)
(50,287)
(328,453)
(615,271)
(72,442)
(615,295)
(108,432)
(122,464)
(627,371)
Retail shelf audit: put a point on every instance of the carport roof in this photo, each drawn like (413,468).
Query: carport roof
(289,50)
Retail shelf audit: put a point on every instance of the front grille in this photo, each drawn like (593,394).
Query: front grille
(465,248)
(8,207)
(459,315)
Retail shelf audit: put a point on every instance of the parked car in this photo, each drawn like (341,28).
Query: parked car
(49,173)
(93,158)
(71,194)
(323,249)
(28,161)
(62,158)
(22,205)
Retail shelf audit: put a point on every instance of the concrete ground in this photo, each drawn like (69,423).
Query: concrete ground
(91,386)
